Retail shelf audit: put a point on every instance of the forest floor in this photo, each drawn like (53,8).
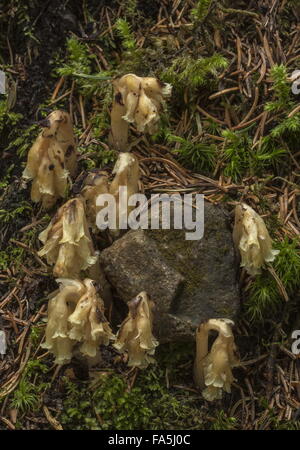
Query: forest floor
(231,131)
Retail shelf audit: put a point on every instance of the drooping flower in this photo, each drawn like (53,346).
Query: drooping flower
(88,323)
(127,174)
(135,335)
(67,241)
(252,239)
(51,159)
(76,315)
(95,184)
(213,369)
(137,100)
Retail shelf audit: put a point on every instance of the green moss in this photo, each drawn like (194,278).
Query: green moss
(24,140)
(8,121)
(264,297)
(23,208)
(200,157)
(200,11)
(240,159)
(27,396)
(223,422)
(107,403)
(12,255)
(5,180)
(79,67)
(193,73)
(281,89)
(36,334)
(95,157)
(126,34)
(100,119)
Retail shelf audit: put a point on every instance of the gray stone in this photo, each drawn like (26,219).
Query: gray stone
(189,281)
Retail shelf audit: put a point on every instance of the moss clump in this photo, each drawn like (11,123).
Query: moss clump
(223,422)
(12,255)
(28,395)
(108,403)
(198,156)
(264,297)
(200,11)
(95,158)
(192,72)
